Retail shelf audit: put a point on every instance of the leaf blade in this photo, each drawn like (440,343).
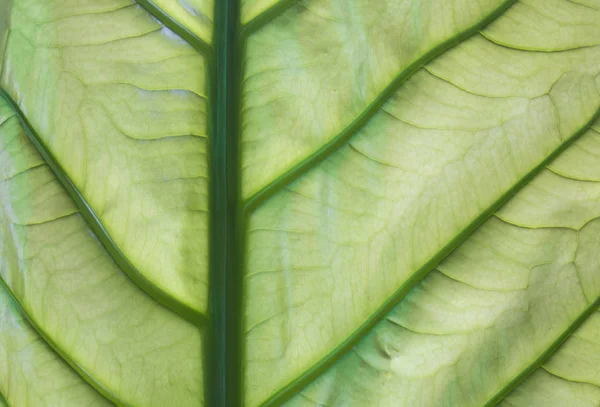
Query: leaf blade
(74,294)
(135,93)
(272,58)
(95,224)
(298,231)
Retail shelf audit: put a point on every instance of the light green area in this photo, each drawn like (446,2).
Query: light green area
(31,374)
(302,89)
(486,314)
(120,102)
(195,15)
(325,253)
(127,345)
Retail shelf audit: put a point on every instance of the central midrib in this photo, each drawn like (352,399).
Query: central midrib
(223,352)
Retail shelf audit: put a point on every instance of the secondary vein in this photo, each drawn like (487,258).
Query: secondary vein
(317,369)
(361,120)
(155,292)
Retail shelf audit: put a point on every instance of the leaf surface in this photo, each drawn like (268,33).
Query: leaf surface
(130,348)
(122,108)
(300,202)
(357,231)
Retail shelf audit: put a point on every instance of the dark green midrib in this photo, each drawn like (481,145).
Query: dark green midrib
(224,350)
(97,227)
(90,379)
(177,28)
(536,364)
(361,120)
(266,16)
(329,360)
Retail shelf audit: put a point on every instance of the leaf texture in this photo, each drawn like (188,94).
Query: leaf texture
(358,230)
(486,314)
(299,203)
(331,81)
(133,350)
(122,108)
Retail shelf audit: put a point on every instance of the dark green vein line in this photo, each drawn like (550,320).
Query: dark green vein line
(162,297)
(536,364)
(326,362)
(98,386)
(359,122)
(266,16)
(3,399)
(224,381)
(177,28)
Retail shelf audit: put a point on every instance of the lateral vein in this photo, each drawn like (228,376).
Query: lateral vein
(324,363)
(361,120)
(141,281)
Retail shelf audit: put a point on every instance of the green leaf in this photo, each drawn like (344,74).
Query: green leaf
(130,348)
(299,202)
